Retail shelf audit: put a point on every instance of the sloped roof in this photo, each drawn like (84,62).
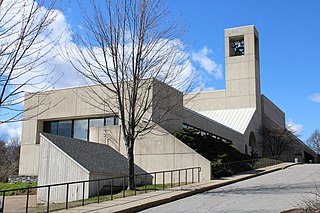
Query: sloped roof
(236,119)
(95,157)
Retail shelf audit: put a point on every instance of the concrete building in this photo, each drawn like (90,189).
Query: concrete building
(236,114)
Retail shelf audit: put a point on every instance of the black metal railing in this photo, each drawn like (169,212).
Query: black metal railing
(252,163)
(177,173)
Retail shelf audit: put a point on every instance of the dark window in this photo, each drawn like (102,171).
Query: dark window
(77,128)
(203,132)
(236,46)
(51,127)
(65,128)
(80,129)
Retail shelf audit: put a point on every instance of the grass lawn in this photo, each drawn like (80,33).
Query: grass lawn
(9,186)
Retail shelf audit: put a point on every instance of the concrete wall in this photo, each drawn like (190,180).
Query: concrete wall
(167,106)
(29,159)
(271,111)
(242,77)
(60,104)
(242,72)
(86,102)
(159,150)
(118,184)
(57,167)
(206,101)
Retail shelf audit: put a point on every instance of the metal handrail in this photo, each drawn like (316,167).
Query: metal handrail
(269,159)
(123,177)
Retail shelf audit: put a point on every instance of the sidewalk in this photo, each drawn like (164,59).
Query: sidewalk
(151,199)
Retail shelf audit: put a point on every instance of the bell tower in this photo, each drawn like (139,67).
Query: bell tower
(242,68)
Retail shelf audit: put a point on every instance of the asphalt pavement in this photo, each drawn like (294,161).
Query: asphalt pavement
(273,192)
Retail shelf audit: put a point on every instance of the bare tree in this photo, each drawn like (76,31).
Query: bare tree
(131,49)
(9,158)
(314,141)
(277,140)
(25,43)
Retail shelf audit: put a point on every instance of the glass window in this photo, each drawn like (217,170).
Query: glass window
(51,127)
(80,129)
(65,128)
(110,121)
(96,122)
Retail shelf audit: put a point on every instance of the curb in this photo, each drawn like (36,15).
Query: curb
(198,190)
(294,164)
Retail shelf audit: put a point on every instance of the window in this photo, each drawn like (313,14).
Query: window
(80,129)
(65,128)
(237,47)
(110,121)
(205,133)
(51,127)
(95,122)
(77,128)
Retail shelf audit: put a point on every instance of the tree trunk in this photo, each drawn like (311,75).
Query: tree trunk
(131,180)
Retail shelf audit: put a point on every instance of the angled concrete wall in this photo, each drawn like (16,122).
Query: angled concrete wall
(57,167)
(157,151)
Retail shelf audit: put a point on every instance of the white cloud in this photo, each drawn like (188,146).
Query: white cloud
(68,76)
(49,68)
(294,127)
(315,97)
(10,130)
(206,63)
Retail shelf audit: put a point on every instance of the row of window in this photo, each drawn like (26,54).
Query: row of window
(203,132)
(77,128)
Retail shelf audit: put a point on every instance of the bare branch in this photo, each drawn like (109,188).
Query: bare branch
(25,46)
(132,50)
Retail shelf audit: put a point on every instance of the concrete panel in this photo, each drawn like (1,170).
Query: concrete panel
(57,167)
(273,112)
(29,159)
(160,146)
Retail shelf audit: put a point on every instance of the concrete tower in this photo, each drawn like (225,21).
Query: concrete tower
(242,68)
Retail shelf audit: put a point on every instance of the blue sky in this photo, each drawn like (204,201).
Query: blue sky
(289,50)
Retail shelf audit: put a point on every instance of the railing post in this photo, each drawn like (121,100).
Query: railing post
(2,204)
(163,180)
(179,177)
(27,202)
(48,205)
(199,170)
(155,181)
(192,176)
(111,189)
(98,191)
(67,196)
(186,176)
(145,183)
(135,184)
(123,188)
(171,178)
(83,188)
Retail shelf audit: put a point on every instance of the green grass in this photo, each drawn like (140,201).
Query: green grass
(12,186)
(128,193)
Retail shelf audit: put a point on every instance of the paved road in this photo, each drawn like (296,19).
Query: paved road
(273,192)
